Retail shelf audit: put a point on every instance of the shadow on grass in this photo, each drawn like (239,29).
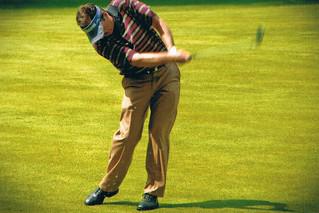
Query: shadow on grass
(216,204)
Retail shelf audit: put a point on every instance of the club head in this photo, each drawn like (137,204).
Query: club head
(194,56)
(260,35)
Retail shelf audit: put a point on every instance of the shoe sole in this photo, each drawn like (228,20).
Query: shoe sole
(146,209)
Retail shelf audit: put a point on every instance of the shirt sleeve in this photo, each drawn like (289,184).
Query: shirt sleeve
(140,10)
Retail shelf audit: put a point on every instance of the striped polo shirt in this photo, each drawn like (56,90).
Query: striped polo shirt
(136,35)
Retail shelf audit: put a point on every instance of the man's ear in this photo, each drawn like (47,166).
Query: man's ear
(103,15)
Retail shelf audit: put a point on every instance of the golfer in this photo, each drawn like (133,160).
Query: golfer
(140,45)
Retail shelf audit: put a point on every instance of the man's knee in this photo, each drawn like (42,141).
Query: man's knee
(127,136)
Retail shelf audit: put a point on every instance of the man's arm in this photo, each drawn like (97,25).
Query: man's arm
(163,31)
(158,58)
(153,59)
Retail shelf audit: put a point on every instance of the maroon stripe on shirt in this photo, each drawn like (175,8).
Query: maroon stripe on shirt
(118,3)
(145,41)
(133,31)
(137,36)
(143,10)
(127,19)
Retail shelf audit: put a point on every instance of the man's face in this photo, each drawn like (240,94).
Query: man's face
(102,24)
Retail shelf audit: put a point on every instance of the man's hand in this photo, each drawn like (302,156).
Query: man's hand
(181,55)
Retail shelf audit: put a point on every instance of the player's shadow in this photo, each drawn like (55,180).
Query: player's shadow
(215,204)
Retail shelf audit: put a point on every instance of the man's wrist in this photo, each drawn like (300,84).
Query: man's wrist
(172,50)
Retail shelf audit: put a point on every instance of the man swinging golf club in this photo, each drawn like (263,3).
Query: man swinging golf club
(140,45)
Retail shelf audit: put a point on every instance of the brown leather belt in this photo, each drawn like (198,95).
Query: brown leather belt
(146,72)
(154,69)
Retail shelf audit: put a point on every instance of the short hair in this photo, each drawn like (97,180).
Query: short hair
(85,14)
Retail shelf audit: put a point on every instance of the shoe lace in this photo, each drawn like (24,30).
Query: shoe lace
(149,197)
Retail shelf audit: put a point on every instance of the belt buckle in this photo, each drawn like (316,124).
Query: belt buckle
(155,69)
(158,67)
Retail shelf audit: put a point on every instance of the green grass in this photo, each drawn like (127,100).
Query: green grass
(74,3)
(247,133)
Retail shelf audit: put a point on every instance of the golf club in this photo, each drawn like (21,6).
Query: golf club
(238,47)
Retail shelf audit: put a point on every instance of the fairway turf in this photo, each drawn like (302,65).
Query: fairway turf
(247,132)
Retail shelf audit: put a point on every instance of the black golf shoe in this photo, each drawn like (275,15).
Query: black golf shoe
(148,202)
(97,197)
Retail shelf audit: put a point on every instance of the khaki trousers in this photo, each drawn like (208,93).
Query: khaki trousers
(159,92)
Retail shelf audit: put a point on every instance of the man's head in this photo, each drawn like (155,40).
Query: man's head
(85,14)
(94,21)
